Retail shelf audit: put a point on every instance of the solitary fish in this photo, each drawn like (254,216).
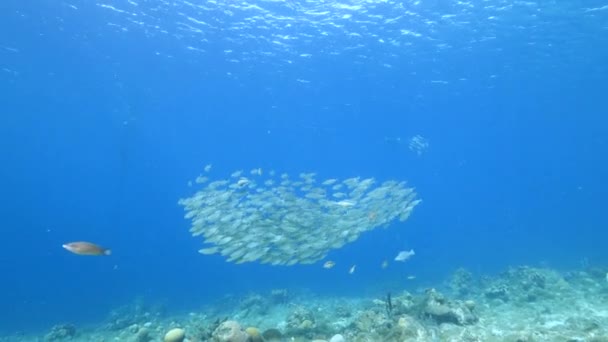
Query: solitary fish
(352,269)
(404,255)
(86,248)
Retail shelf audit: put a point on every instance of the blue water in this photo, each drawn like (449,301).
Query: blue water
(110,108)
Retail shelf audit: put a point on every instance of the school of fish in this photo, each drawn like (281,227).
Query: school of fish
(280,220)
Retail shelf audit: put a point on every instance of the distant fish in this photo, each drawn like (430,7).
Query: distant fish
(411,277)
(384,264)
(404,255)
(329,264)
(352,269)
(345,203)
(242,182)
(86,248)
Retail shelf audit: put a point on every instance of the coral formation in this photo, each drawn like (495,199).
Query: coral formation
(60,332)
(272,335)
(521,304)
(461,282)
(143,335)
(525,285)
(131,315)
(337,338)
(301,321)
(254,334)
(442,310)
(230,331)
(175,335)
(254,305)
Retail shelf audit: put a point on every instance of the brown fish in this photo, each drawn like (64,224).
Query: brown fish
(86,248)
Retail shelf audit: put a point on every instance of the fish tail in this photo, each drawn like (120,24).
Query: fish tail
(107,252)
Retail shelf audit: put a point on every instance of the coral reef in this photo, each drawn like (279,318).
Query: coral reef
(301,321)
(254,305)
(143,335)
(128,315)
(525,284)
(442,310)
(337,338)
(519,305)
(461,283)
(60,332)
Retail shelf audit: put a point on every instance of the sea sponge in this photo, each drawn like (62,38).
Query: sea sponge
(175,335)
(254,334)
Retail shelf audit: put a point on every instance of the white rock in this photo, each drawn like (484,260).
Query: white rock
(337,338)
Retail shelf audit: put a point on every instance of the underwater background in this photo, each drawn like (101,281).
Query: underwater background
(110,108)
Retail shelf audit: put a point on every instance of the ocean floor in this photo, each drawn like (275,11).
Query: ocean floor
(522,304)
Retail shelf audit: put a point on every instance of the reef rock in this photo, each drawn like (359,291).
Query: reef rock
(337,338)
(175,335)
(441,310)
(255,335)
(61,332)
(300,321)
(409,329)
(229,331)
(272,335)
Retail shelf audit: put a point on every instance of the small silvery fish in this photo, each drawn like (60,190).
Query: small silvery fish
(86,248)
(352,269)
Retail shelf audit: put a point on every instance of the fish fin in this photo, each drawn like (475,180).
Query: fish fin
(107,252)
